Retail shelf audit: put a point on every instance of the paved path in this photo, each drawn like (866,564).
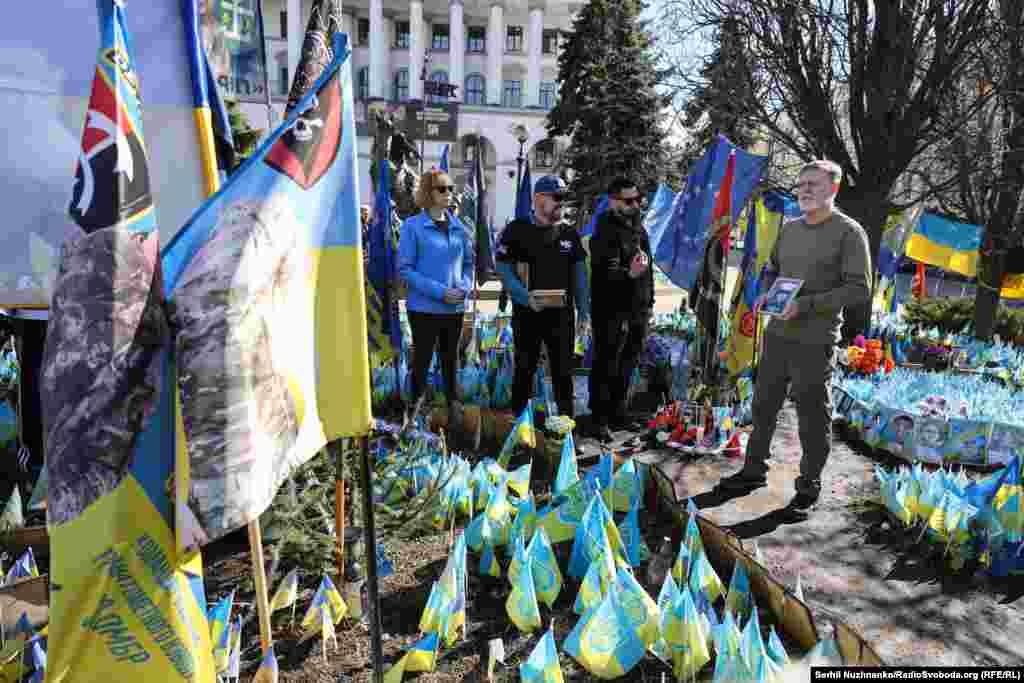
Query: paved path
(911,613)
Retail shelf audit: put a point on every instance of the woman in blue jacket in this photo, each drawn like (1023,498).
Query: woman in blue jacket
(435,260)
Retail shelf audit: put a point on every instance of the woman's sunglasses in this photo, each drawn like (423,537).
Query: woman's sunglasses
(445,189)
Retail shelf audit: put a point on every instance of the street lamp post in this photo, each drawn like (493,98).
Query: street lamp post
(522,135)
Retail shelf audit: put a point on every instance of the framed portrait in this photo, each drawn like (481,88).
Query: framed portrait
(930,439)
(782,292)
(898,433)
(968,442)
(1004,442)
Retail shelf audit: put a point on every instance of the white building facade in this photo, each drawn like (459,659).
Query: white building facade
(502,55)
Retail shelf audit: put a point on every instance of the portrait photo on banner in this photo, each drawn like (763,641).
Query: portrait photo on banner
(968,442)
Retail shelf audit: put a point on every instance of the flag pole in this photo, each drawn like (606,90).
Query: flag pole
(260,579)
(370,543)
(266,74)
(339,505)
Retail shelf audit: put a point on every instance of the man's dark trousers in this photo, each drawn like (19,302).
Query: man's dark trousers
(618,340)
(31,338)
(809,367)
(556,328)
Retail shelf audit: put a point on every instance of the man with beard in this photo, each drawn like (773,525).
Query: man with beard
(623,284)
(829,252)
(550,255)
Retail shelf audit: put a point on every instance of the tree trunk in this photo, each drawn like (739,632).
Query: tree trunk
(986,298)
(871,210)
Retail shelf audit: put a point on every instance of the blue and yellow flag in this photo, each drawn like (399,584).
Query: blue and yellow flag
(763,224)
(126,603)
(521,604)
(421,657)
(752,647)
(738,600)
(489,562)
(626,488)
(519,480)
(522,433)
(568,473)
(547,577)
(666,599)
(945,244)
(603,643)
(639,609)
(267,285)
(23,568)
(220,630)
(681,567)
(635,549)
(596,531)
(688,641)
(382,272)
(561,522)
(268,672)
(12,517)
(704,582)
(598,580)
(526,520)
(287,592)
(520,560)
(542,665)
(326,596)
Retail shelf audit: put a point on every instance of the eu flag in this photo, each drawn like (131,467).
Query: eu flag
(681,248)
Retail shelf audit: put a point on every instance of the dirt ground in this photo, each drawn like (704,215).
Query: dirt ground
(850,563)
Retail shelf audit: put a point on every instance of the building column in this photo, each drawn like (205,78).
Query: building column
(416,49)
(495,51)
(534,43)
(378,46)
(295,36)
(348,25)
(457,47)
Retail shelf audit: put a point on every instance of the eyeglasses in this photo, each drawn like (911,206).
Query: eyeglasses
(445,189)
(629,201)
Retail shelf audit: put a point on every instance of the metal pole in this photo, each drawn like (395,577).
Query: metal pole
(266,73)
(370,546)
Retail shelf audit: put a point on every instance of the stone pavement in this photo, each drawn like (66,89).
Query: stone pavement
(911,611)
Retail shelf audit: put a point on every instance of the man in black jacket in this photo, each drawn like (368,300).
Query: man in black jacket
(622,286)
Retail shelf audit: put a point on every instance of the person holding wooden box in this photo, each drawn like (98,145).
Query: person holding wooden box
(542,265)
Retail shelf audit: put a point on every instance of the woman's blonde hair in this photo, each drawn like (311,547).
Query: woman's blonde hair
(427,183)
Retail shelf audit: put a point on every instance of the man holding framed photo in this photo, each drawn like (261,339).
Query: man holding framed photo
(828,251)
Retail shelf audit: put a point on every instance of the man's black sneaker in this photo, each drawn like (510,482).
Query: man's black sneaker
(801,506)
(742,482)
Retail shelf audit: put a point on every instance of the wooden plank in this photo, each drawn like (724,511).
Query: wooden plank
(27,596)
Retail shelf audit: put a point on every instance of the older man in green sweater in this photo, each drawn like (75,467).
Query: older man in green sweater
(829,252)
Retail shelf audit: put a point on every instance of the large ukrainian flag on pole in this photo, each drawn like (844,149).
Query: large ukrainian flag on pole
(266,285)
(125,604)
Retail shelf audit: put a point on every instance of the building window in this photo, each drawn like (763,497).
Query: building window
(363,84)
(549,44)
(284,24)
(512,94)
(282,81)
(364,31)
(438,77)
(402,34)
(476,39)
(544,154)
(439,37)
(514,39)
(475,92)
(400,92)
(238,19)
(548,94)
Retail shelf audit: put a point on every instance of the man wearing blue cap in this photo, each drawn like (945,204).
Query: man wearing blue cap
(550,255)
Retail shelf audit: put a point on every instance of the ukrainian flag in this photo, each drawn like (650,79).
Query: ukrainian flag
(421,657)
(547,577)
(519,480)
(738,600)
(703,579)
(542,665)
(522,433)
(639,609)
(287,592)
(489,562)
(521,604)
(763,224)
(603,643)
(326,596)
(681,568)
(268,672)
(561,522)
(946,244)
(520,560)
(598,580)
(568,473)
(266,281)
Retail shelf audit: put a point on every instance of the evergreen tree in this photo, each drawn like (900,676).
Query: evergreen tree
(720,104)
(608,104)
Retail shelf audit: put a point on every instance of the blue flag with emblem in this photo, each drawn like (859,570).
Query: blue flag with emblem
(524,195)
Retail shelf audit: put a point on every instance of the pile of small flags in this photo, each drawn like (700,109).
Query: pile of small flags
(21,639)
(981,519)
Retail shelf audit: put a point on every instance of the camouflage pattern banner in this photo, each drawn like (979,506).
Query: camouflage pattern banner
(268,303)
(125,604)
